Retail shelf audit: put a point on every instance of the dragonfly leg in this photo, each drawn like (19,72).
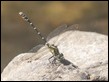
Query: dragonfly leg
(50,58)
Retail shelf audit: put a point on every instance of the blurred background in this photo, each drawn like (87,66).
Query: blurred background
(17,36)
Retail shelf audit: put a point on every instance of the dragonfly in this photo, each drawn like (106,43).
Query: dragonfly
(56,55)
(52,48)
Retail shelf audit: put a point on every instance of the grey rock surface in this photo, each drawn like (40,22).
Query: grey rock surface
(87,50)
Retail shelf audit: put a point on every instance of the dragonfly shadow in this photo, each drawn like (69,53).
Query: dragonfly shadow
(66,62)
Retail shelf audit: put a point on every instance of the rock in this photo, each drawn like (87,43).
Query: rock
(87,50)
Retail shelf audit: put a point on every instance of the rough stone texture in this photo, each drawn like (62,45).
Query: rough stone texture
(87,50)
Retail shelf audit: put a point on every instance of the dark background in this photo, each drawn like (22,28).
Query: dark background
(17,37)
